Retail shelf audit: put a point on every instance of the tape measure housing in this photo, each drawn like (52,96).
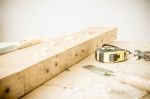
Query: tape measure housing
(111,54)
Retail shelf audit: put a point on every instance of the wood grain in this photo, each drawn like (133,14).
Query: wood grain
(23,70)
(80,83)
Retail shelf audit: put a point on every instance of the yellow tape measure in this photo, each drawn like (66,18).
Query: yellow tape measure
(111,54)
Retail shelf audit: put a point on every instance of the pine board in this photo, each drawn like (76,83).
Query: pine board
(24,70)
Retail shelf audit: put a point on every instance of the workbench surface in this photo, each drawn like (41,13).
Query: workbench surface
(79,83)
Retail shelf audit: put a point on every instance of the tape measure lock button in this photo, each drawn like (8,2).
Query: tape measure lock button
(114,57)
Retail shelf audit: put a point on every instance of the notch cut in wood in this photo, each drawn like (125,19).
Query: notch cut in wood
(23,70)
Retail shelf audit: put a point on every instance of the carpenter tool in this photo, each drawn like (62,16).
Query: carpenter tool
(111,54)
(138,54)
(9,47)
(130,79)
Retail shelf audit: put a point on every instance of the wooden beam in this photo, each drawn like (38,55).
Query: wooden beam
(79,83)
(23,70)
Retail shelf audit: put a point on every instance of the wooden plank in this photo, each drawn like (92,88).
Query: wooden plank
(24,70)
(79,83)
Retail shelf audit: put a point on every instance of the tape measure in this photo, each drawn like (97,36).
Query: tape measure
(111,54)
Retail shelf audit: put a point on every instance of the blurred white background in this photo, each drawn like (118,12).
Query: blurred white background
(20,19)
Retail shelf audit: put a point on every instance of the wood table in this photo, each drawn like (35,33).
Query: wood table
(79,83)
